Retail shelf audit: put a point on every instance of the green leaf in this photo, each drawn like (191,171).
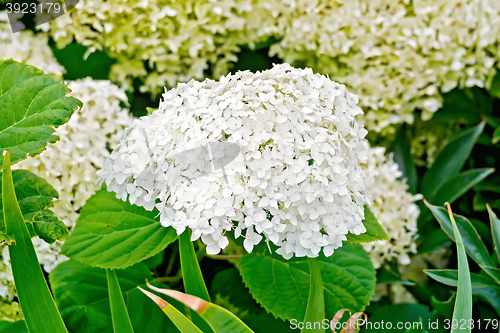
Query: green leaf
(458,185)
(495,86)
(472,242)
(495,138)
(219,319)
(282,286)
(194,283)
(32,105)
(444,308)
(13,327)
(119,314)
(374,230)
(493,272)
(415,316)
(402,156)
(482,285)
(35,196)
(32,289)
(391,276)
(81,293)
(112,233)
(180,321)
(450,159)
(315,310)
(463,301)
(228,290)
(495,230)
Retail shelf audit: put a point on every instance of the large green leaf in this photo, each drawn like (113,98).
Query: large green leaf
(81,293)
(112,233)
(402,156)
(35,196)
(450,160)
(13,327)
(228,290)
(374,230)
(282,286)
(458,185)
(473,244)
(482,285)
(32,105)
(32,290)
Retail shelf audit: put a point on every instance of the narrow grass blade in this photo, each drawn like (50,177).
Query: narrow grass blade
(315,311)
(463,303)
(119,314)
(180,321)
(495,230)
(193,281)
(38,306)
(219,319)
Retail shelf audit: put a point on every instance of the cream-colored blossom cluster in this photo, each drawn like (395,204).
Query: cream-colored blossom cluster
(27,47)
(394,207)
(178,40)
(295,179)
(70,164)
(396,55)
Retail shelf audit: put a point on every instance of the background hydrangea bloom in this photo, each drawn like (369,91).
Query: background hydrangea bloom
(298,172)
(393,207)
(396,55)
(179,40)
(27,47)
(70,165)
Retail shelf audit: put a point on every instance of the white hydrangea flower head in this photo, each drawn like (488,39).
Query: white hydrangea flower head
(28,48)
(70,164)
(179,40)
(296,181)
(394,207)
(396,55)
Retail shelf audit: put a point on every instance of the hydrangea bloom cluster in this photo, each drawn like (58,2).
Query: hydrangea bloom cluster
(394,208)
(179,40)
(396,55)
(297,180)
(27,47)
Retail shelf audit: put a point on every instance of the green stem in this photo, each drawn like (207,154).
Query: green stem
(315,311)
